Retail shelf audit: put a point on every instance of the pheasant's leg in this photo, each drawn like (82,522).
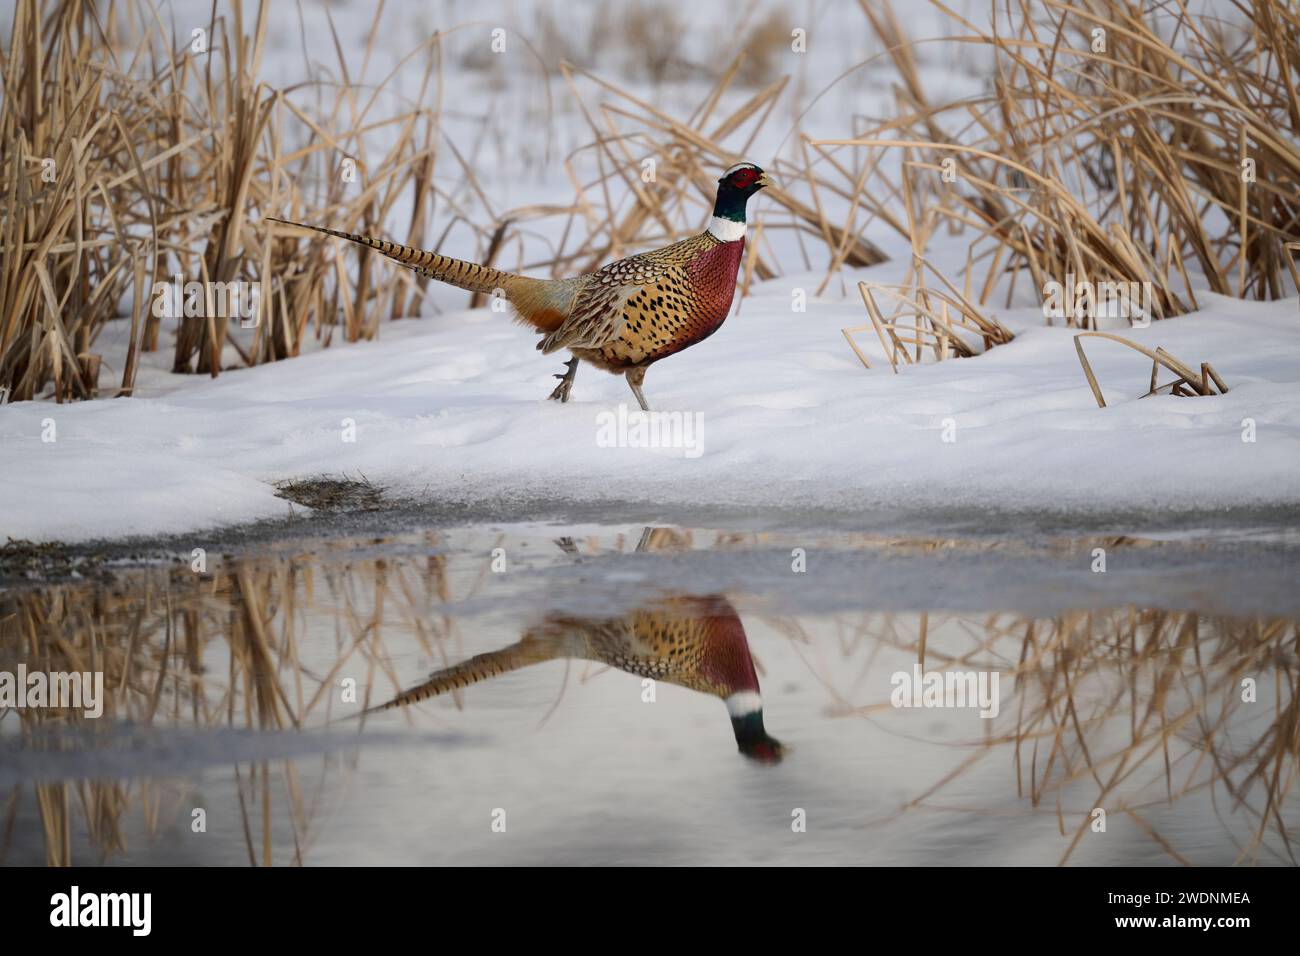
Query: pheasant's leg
(635,376)
(646,534)
(561,393)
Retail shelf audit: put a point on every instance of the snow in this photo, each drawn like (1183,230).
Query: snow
(453,409)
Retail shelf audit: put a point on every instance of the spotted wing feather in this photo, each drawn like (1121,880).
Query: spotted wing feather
(599,308)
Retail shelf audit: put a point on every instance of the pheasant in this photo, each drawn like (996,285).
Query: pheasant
(627,315)
(695,642)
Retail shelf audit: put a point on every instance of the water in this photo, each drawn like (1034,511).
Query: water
(597,727)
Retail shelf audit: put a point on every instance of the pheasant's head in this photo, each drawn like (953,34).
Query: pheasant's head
(734,189)
(746,709)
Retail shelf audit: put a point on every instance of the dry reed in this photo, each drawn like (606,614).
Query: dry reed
(1119,143)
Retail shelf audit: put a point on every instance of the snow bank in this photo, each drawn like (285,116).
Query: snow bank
(454,408)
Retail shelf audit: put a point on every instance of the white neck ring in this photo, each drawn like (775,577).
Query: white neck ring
(726,230)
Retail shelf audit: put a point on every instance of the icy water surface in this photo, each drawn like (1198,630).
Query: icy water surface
(586,681)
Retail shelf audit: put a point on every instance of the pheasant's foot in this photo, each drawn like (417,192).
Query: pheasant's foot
(635,376)
(561,393)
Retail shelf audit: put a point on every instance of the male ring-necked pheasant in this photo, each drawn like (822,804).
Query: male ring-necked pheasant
(628,315)
(697,642)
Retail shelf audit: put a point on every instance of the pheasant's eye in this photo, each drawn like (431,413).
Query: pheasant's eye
(742,177)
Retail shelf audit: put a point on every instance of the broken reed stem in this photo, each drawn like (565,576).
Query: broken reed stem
(1203,384)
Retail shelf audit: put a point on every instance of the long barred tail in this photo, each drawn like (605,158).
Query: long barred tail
(457,272)
(481,667)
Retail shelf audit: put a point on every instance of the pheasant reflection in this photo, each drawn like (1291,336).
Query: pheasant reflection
(697,642)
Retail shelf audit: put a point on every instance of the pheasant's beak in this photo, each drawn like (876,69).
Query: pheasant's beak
(763,180)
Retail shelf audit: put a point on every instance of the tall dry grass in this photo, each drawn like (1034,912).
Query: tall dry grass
(128,157)
(1118,142)
(125,159)
(164,162)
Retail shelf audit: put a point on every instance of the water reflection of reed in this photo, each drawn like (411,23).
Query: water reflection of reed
(1128,710)
(227,648)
